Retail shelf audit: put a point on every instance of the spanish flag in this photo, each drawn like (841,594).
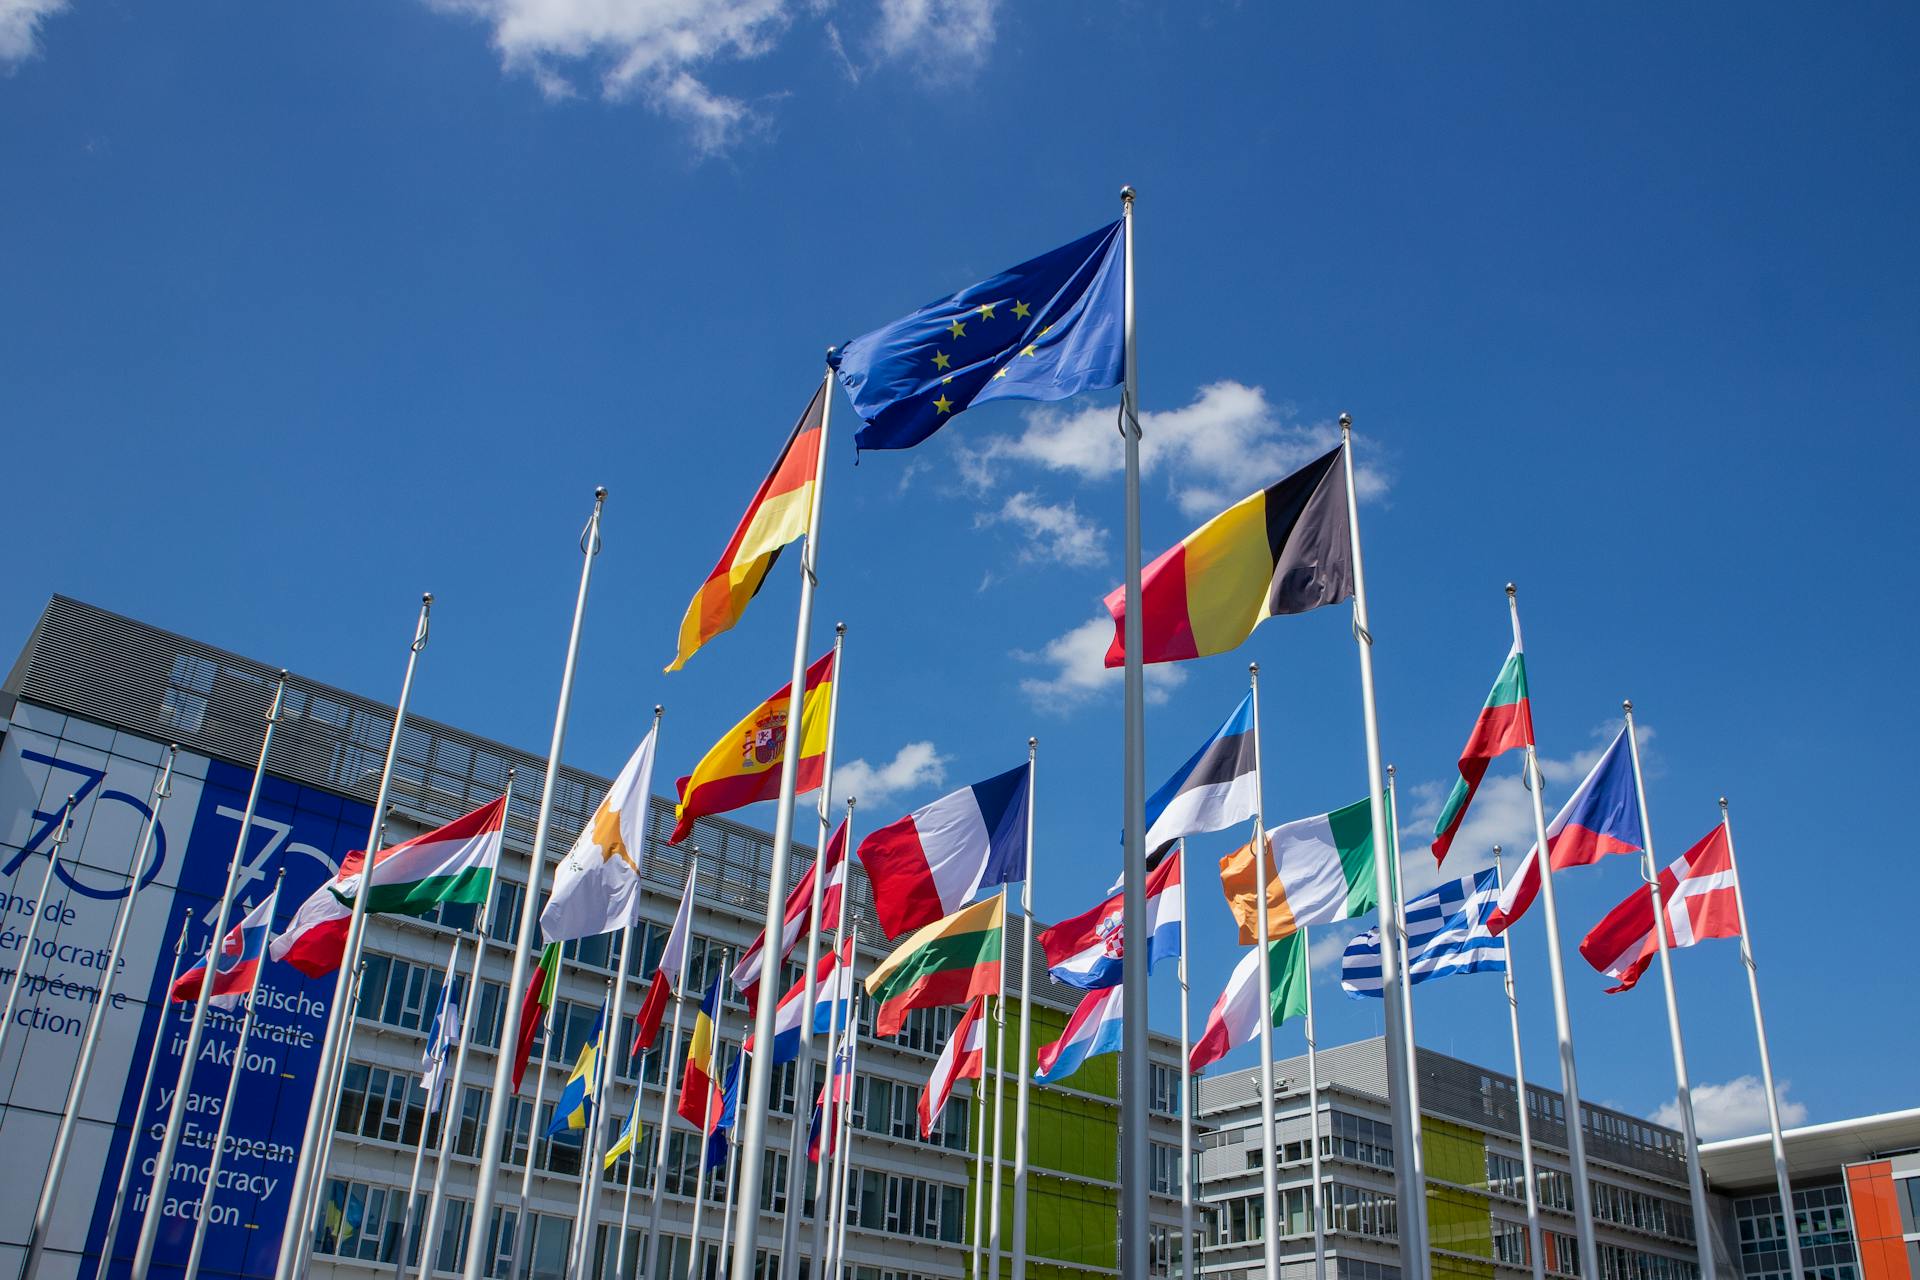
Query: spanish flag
(777,515)
(1286,549)
(744,766)
(698,1100)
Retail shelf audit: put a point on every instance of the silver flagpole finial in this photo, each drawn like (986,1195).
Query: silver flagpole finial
(1346,422)
(1626,704)
(426,597)
(658,711)
(1126,193)
(1390,771)
(840,628)
(1032,743)
(1253,668)
(1512,591)
(1723,806)
(600,493)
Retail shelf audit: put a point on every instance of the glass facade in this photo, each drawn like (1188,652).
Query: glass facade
(1826,1235)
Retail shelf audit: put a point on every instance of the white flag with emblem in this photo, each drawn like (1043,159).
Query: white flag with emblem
(597,886)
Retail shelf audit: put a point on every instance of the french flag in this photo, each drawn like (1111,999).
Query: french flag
(935,860)
(1600,818)
(236,962)
(1093,1029)
(832,986)
(1088,951)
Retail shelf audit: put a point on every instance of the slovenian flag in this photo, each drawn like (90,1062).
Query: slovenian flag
(937,859)
(1601,817)
(236,962)
(1093,1029)
(1087,951)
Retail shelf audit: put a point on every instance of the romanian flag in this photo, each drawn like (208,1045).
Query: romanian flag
(778,514)
(698,1098)
(744,766)
(1286,549)
(951,961)
(1505,724)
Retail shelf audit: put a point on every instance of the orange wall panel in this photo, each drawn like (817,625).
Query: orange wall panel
(1876,1222)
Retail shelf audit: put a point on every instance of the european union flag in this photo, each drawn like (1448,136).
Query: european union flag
(1044,330)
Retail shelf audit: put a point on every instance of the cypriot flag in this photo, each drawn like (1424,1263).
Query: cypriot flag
(597,886)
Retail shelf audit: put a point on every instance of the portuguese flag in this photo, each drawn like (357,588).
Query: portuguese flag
(454,864)
(951,961)
(1505,724)
(540,994)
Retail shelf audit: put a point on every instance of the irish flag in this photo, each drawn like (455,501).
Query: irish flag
(964,1058)
(1319,870)
(1235,1017)
(453,864)
(1505,724)
(950,961)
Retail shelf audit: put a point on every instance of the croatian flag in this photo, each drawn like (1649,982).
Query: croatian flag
(1093,1029)
(832,989)
(1601,817)
(1088,951)
(236,961)
(935,860)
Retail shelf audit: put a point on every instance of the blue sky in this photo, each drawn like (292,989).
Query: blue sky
(307,310)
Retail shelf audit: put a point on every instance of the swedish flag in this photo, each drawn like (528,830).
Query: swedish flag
(1044,330)
(574,1108)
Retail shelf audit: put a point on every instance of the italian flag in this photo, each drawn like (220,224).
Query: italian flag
(951,961)
(1319,870)
(1235,1017)
(454,864)
(1505,724)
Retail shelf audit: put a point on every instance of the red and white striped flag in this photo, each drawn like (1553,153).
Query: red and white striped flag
(1700,901)
(964,1058)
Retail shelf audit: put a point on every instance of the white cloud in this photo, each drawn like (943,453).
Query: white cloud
(1212,452)
(1054,531)
(914,766)
(1732,1110)
(20,27)
(944,39)
(1078,660)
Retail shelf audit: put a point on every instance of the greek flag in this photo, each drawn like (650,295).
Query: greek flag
(444,1036)
(1446,933)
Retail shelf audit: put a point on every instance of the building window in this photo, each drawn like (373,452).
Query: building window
(1165,1098)
(1359,1139)
(389,1106)
(358,1220)
(1166,1169)
(1506,1176)
(1826,1235)
(1359,1210)
(1510,1243)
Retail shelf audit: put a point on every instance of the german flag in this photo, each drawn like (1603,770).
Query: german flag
(1286,549)
(777,515)
(951,961)
(744,766)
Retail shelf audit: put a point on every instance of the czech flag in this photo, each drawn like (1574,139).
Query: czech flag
(1087,951)
(937,859)
(236,962)
(1093,1029)
(1601,817)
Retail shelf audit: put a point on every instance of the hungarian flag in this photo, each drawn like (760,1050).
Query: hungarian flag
(1505,724)
(1699,898)
(1235,1017)
(1601,817)
(453,864)
(699,1099)
(746,974)
(1319,870)
(540,993)
(743,768)
(646,1024)
(778,514)
(963,1058)
(950,961)
(1286,549)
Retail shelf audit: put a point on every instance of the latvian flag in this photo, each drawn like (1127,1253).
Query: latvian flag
(746,974)
(1601,817)
(963,1058)
(1087,951)
(236,962)
(1094,1029)
(1699,898)
(935,860)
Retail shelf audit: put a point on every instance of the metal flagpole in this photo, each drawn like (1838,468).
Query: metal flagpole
(834,1140)
(190,1053)
(226,1108)
(452,1102)
(1696,1180)
(1415,1216)
(319,1111)
(753,1105)
(83,1066)
(695,1271)
(303,1252)
(1392,980)
(666,1085)
(1789,1219)
(726,1208)
(1269,1174)
(140,1108)
(999,1098)
(413,1226)
(1318,1197)
(523,1237)
(979,1171)
(1133,910)
(1186,1087)
(633,1161)
(589,1216)
(769,966)
(516,994)
(1022,1064)
(845,1154)
(61,835)
(1569,1079)
(822,1185)
(1535,1243)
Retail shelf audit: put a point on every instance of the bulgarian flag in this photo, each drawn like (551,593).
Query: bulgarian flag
(1319,870)
(743,768)
(1505,724)
(540,994)
(951,961)
(778,514)
(1235,1017)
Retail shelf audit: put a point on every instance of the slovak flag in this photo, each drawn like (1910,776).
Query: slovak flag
(937,859)
(236,961)
(1093,1029)
(1601,817)
(1087,951)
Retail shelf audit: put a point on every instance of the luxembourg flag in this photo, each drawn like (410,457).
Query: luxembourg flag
(1088,951)
(236,962)
(1093,1029)
(1601,817)
(832,985)
(934,861)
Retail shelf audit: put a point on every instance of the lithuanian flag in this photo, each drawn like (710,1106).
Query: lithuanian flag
(744,766)
(1286,549)
(778,514)
(951,961)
